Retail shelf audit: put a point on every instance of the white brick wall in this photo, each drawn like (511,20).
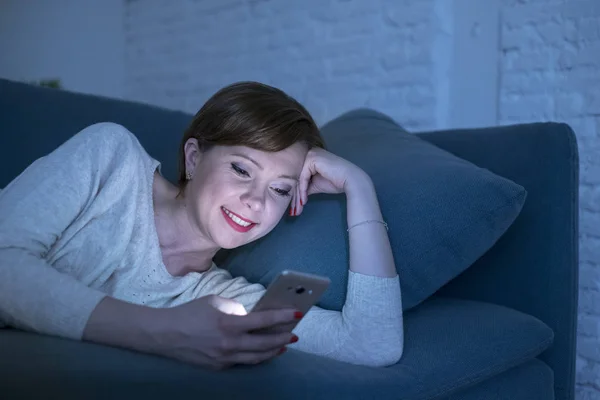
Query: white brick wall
(396,56)
(331,55)
(550,70)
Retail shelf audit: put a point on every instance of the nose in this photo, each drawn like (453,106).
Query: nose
(254,198)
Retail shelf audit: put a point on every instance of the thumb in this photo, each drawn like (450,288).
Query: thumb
(227,306)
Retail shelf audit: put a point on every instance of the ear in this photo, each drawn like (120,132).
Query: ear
(193,154)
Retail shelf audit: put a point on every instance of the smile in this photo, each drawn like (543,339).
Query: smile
(238,223)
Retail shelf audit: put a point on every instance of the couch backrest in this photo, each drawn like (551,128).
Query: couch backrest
(35,120)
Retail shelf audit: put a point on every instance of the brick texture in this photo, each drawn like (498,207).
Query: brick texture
(550,66)
(331,55)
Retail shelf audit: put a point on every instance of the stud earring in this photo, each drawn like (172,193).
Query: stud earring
(188,176)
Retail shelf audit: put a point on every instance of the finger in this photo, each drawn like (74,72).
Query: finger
(305,177)
(260,342)
(254,357)
(294,202)
(299,202)
(260,320)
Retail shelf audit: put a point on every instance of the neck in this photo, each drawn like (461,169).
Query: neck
(183,246)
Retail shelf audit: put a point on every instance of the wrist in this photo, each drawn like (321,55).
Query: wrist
(361,202)
(359,184)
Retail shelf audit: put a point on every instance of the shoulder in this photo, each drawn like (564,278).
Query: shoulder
(102,151)
(107,145)
(107,136)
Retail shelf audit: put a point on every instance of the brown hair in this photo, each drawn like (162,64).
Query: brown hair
(250,114)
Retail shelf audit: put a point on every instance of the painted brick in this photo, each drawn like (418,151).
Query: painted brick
(589,325)
(589,252)
(590,173)
(588,278)
(331,55)
(586,392)
(589,347)
(589,301)
(588,374)
(589,198)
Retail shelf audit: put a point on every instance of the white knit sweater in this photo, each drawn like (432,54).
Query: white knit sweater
(78,225)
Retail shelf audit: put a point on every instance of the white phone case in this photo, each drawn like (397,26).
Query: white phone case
(294,290)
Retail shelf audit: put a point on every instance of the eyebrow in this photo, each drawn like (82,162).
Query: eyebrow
(294,178)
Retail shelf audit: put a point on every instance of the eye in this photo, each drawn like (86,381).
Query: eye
(281,192)
(239,171)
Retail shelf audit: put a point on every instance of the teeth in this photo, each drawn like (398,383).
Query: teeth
(235,219)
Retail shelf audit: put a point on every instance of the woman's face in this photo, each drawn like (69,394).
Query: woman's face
(238,194)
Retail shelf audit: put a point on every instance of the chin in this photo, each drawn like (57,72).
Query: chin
(234,240)
(231,242)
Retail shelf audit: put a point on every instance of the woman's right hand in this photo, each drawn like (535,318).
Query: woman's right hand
(211,331)
(215,332)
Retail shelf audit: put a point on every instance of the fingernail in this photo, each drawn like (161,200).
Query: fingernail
(291,209)
(294,339)
(294,211)
(298,315)
(301,202)
(283,350)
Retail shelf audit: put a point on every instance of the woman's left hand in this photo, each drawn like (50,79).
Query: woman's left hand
(324,172)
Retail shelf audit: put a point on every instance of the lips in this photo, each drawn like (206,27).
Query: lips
(236,221)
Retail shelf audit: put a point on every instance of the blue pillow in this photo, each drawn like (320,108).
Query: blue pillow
(443,213)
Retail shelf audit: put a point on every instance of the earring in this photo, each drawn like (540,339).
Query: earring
(188,176)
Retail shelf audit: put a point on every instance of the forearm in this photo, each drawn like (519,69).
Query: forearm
(370,249)
(369,330)
(35,297)
(121,324)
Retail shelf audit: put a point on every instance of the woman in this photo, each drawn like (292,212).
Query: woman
(96,245)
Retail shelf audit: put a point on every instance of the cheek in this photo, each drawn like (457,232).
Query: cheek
(278,209)
(215,186)
(208,194)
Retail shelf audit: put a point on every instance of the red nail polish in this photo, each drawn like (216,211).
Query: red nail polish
(283,350)
(298,315)
(294,211)
(301,202)
(294,339)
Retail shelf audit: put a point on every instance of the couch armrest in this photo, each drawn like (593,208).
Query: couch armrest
(534,267)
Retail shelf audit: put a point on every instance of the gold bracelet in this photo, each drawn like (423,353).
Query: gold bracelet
(370,222)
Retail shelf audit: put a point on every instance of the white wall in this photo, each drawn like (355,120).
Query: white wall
(80,42)
(330,55)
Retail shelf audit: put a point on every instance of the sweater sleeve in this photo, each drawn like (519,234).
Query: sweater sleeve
(37,206)
(368,331)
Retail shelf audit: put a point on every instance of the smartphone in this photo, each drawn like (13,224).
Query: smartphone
(292,289)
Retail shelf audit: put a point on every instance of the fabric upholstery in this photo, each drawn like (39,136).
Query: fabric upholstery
(450,345)
(534,266)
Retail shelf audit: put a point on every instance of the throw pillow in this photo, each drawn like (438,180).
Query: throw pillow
(443,213)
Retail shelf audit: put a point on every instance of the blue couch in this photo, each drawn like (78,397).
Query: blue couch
(503,329)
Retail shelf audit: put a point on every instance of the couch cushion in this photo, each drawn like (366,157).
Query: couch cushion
(532,380)
(35,120)
(450,345)
(443,213)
